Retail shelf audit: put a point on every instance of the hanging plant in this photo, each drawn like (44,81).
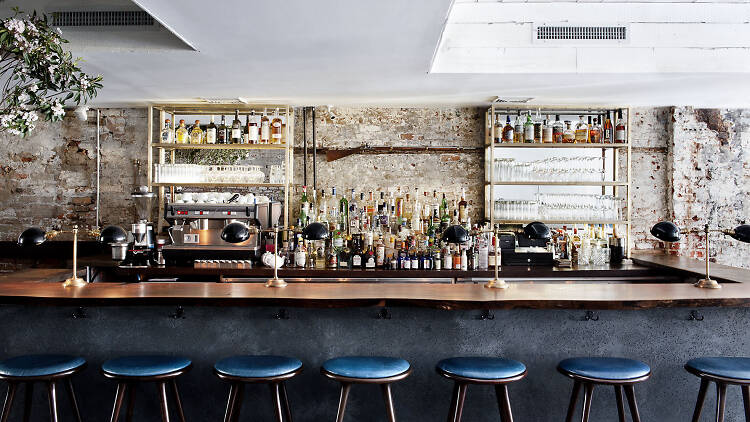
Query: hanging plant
(40,77)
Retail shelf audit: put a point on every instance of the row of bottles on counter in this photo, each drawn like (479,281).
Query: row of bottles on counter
(398,211)
(263,130)
(537,130)
(376,248)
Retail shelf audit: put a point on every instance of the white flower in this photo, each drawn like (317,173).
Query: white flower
(24,98)
(59,32)
(33,88)
(15,25)
(84,83)
(57,109)
(31,27)
(52,69)
(30,116)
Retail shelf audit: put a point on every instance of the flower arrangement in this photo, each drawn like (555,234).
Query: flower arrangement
(40,77)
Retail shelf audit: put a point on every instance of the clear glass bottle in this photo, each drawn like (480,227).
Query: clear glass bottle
(528,129)
(546,131)
(304,207)
(167,135)
(608,130)
(196,134)
(595,133)
(211,132)
(507,131)
(236,135)
(181,133)
(221,133)
(276,129)
(620,132)
(582,131)
(518,129)
(498,130)
(557,130)
(569,135)
(265,129)
(538,129)
(253,129)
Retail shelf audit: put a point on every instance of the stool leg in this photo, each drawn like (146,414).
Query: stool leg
(177,400)
(388,398)
(276,397)
(163,402)
(461,399)
(238,403)
(8,401)
(630,394)
(454,403)
(131,403)
(52,392)
(573,401)
(746,401)
(620,405)
(342,401)
(285,402)
(588,393)
(503,401)
(73,401)
(28,400)
(231,403)
(721,400)
(121,387)
(701,399)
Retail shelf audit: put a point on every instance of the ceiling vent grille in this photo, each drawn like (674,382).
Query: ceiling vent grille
(124,18)
(580,34)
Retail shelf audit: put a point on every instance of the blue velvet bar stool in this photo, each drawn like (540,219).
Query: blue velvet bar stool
(484,371)
(381,370)
(619,372)
(131,370)
(48,369)
(271,370)
(722,371)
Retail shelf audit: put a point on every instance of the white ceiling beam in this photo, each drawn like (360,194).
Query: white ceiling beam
(490,12)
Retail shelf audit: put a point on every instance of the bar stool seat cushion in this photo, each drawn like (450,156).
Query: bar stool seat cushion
(485,368)
(257,366)
(604,368)
(726,367)
(39,365)
(368,367)
(145,366)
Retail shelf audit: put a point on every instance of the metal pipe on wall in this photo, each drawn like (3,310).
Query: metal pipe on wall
(315,153)
(304,146)
(98,163)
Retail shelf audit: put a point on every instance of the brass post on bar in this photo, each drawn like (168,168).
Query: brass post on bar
(708,282)
(74,280)
(276,281)
(497,283)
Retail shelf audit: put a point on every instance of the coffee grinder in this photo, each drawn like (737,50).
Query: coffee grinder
(143,231)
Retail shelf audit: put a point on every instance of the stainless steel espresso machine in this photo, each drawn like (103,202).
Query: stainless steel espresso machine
(195,231)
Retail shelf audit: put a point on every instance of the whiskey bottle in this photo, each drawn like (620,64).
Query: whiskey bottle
(463,214)
(507,131)
(557,130)
(595,133)
(211,132)
(582,131)
(498,130)
(181,134)
(167,136)
(608,131)
(236,128)
(569,135)
(252,129)
(546,131)
(246,130)
(196,134)
(620,134)
(528,129)
(265,129)
(221,133)
(538,129)
(518,129)
(304,206)
(276,129)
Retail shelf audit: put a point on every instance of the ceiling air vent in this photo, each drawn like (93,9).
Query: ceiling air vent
(124,18)
(580,34)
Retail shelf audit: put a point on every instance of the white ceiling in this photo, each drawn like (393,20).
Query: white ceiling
(381,52)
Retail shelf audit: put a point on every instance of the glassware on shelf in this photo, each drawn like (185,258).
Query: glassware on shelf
(557,169)
(194,173)
(561,207)
(276,174)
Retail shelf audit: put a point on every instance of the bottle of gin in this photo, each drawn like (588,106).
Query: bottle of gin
(167,136)
(211,132)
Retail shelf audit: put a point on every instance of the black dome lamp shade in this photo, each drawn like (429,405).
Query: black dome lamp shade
(741,233)
(112,234)
(32,236)
(235,232)
(537,230)
(666,231)
(456,234)
(315,231)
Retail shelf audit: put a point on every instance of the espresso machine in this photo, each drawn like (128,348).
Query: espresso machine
(141,251)
(195,232)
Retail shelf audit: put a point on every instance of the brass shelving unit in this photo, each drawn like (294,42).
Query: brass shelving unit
(618,152)
(163,153)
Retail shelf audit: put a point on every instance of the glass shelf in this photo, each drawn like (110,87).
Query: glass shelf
(524,145)
(212,185)
(531,183)
(220,146)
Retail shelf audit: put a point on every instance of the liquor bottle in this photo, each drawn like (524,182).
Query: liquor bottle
(507,131)
(569,135)
(353,214)
(333,209)
(609,135)
(371,205)
(437,260)
(344,256)
(320,259)
(265,129)
(221,132)
(463,214)
(211,132)
(557,130)
(236,135)
(321,207)
(464,260)
(246,130)
(368,254)
(379,251)
(252,128)
(300,254)
(181,134)
(167,136)
(447,257)
(538,129)
(196,134)
(518,129)
(546,131)
(595,133)
(582,132)
(498,130)
(276,129)
(528,129)
(620,134)
(456,258)
(483,253)
(445,216)
(304,206)
(344,213)
(332,259)
(356,253)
